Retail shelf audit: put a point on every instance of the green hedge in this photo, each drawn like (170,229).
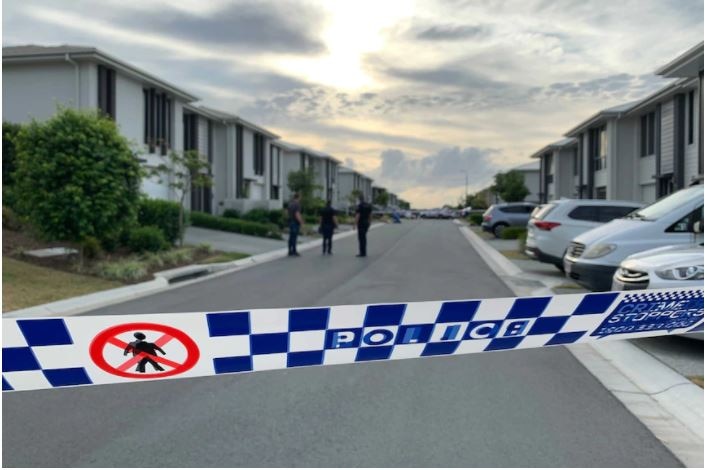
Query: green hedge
(200,219)
(264,216)
(162,214)
(475,219)
(513,233)
(149,238)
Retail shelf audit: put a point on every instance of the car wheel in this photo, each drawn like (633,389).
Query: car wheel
(498,229)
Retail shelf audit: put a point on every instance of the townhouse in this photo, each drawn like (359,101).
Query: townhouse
(156,116)
(393,200)
(147,110)
(531,172)
(642,150)
(325,168)
(352,182)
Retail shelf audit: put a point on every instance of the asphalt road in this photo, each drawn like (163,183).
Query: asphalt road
(524,408)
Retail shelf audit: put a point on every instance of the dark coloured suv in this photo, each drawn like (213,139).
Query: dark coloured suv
(509,214)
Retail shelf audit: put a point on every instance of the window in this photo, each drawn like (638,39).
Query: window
(599,148)
(274,171)
(259,154)
(687,222)
(543,211)
(106,91)
(520,209)
(607,213)
(647,131)
(601,192)
(691,115)
(589,213)
(669,204)
(190,132)
(157,120)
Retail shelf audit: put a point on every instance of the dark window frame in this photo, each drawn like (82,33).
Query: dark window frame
(158,120)
(106,91)
(647,134)
(691,116)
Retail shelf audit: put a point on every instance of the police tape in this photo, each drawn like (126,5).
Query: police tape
(77,351)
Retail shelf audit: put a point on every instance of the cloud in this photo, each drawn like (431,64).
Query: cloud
(451,32)
(270,26)
(444,168)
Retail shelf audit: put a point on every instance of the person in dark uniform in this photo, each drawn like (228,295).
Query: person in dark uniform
(329,222)
(295,223)
(363,213)
(142,346)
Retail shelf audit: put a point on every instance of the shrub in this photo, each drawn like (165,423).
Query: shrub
(200,219)
(475,219)
(130,270)
(76,176)
(513,233)
(90,248)
(162,214)
(264,216)
(9,160)
(10,220)
(149,238)
(231,213)
(180,256)
(311,219)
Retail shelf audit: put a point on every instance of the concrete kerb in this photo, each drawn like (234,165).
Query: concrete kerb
(667,403)
(85,303)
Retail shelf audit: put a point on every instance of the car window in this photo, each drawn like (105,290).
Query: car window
(543,211)
(589,213)
(512,209)
(668,204)
(529,209)
(607,213)
(686,223)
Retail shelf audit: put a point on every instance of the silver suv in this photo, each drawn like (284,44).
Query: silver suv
(509,214)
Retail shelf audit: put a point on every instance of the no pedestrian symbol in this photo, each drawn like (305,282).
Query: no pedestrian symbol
(140,359)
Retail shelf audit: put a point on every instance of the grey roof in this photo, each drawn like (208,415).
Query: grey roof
(228,117)
(300,148)
(614,111)
(665,92)
(36,53)
(688,64)
(531,166)
(559,144)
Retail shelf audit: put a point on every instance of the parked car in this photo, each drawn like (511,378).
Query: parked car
(670,266)
(509,214)
(661,268)
(593,257)
(552,227)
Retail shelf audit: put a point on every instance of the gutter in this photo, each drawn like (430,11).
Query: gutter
(68,59)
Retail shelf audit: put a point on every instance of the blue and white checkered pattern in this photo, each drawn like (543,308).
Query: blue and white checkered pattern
(29,355)
(42,353)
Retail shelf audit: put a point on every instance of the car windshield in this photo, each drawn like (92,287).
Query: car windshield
(543,211)
(666,205)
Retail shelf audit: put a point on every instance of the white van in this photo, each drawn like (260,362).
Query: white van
(593,257)
(553,226)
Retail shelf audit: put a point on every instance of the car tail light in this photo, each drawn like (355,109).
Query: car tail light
(544,225)
(487,218)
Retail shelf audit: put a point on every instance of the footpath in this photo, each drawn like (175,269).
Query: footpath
(665,401)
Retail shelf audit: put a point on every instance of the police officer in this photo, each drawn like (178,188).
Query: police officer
(363,213)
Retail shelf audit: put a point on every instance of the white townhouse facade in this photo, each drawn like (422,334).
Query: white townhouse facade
(557,171)
(246,163)
(147,110)
(531,172)
(325,167)
(350,180)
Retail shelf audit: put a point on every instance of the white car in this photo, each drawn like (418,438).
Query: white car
(661,268)
(553,225)
(594,256)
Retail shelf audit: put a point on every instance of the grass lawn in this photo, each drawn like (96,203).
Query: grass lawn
(25,285)
(224,257)
(514,254)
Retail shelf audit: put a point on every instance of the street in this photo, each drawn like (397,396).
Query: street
(530,408)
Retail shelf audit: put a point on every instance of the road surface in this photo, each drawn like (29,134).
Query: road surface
(513,408)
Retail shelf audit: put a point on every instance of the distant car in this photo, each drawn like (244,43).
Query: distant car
(509,214)
(465,211)
(552,226)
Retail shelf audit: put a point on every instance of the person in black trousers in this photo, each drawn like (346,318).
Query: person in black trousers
(295,223)
(363,213)
(329,222)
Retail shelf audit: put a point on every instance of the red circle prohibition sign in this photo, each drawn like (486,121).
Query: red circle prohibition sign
(109,337)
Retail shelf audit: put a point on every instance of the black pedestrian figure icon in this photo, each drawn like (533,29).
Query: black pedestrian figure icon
(149,349)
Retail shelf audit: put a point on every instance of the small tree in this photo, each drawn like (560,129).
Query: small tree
(510,186)
(184,171)
(382,198)
(404,205)
(304,183)
(354,196)
(76,177)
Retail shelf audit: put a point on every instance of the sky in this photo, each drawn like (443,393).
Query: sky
(416,94)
